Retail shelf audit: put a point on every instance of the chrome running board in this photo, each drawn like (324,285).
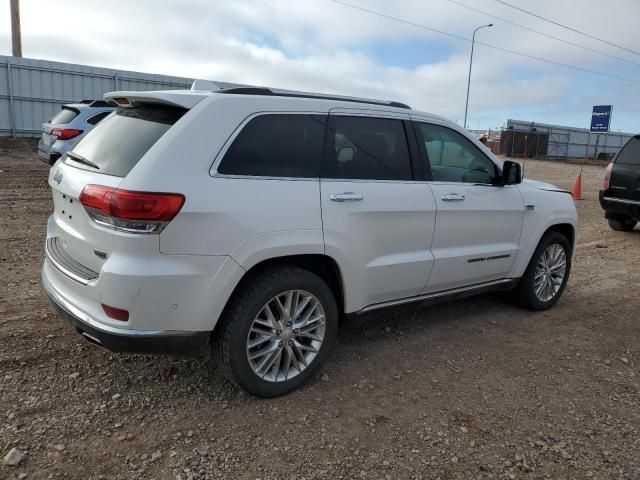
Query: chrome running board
(444,295)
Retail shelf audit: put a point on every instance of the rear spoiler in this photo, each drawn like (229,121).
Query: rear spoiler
(175,98)
(69,106)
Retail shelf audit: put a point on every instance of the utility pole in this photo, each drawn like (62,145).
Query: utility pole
(473,43)
(16,39)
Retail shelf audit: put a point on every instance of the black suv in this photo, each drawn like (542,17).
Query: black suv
(620,196)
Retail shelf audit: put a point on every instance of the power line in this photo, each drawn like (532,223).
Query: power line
(567,27)
(544,34)
(495,47)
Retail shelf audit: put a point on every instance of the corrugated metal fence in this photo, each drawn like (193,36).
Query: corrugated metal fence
(562,142)
(31,91)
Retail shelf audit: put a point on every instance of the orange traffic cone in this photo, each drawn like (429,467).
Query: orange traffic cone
(577,188)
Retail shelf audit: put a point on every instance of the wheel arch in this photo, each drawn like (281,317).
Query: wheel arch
(534,231)
(321,265)
(565,229)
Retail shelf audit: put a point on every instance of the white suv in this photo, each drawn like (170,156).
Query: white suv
(247,221)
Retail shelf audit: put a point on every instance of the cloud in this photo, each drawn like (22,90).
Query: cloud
(324,46)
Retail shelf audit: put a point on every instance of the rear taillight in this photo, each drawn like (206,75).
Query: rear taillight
(133,212)
(65,133)
(116,313)
(607,176)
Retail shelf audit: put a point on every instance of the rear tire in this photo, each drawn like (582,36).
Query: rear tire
(546,262)
(622,225)
(256,317)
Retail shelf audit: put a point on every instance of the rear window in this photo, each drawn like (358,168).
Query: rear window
(116,144)
(64,116)
(630,153)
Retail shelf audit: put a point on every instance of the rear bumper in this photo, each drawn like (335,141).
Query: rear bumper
(122,339)
(619,207)
(48,158)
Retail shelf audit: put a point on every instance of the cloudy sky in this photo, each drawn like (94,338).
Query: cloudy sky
(325,46)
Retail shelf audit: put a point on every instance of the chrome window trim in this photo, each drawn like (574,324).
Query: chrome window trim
(365,180)
(258,177)
(316,179)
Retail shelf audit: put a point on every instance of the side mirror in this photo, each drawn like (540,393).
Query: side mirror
(511,173)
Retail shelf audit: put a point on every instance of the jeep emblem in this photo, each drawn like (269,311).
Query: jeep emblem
(58,177)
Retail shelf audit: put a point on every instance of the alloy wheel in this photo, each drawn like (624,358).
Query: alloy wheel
(550,272)
(286,335)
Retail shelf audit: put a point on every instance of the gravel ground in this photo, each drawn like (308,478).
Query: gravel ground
(475,389)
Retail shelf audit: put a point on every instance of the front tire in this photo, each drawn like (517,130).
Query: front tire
(277,332)
(546,275)
(622,225)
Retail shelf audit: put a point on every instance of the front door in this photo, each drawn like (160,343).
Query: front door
(378,220)
(478,222)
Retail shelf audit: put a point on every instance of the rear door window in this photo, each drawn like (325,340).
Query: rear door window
(116,144)
(368,149)
(64,116)
(277,145)
(630,153)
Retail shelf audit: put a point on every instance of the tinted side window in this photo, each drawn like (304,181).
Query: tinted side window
(277,145)
(453,158)
(630,153)
(367,148)
(64,116)
(97,117)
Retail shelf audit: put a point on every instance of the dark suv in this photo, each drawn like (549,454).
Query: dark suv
(620,196)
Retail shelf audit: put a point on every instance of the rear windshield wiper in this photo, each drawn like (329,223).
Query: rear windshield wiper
(77,158)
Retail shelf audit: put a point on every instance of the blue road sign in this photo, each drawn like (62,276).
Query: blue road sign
(601,118)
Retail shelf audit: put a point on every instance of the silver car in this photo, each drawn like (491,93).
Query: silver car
(68,126)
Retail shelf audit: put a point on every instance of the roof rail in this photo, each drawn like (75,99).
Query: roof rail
(318,96)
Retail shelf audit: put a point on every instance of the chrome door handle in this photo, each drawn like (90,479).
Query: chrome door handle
(452,197)
(346,197)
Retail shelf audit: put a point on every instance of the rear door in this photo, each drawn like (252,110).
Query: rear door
(104,157)
(625,176)
(378,217)
(478,224)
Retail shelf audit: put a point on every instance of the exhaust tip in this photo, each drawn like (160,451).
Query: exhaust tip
(90,338)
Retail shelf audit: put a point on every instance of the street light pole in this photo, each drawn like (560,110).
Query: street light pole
(473,42)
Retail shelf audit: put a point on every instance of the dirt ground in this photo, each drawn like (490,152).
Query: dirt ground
(475,389)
